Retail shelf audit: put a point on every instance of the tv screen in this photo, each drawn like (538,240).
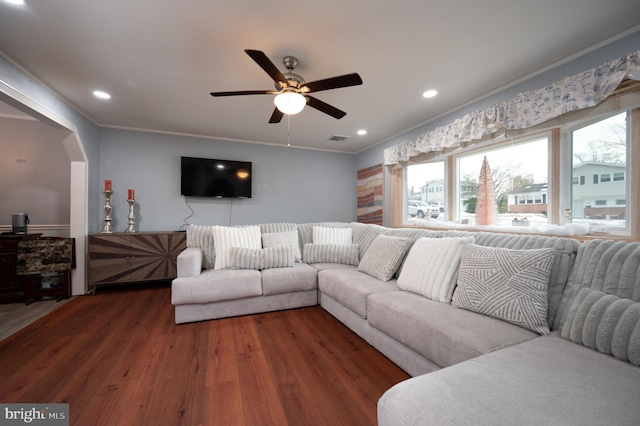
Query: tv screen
(204,177)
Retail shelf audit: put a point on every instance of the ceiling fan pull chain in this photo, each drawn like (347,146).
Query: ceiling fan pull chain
(288,131)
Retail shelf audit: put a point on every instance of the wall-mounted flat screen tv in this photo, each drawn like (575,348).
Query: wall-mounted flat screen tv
(205,177)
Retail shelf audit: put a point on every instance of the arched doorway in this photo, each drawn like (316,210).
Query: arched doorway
(78,225)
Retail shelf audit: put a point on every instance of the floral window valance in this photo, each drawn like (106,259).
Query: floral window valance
(528,109)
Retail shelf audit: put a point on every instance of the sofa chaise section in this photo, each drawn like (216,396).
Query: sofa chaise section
(544,381)
(586,372)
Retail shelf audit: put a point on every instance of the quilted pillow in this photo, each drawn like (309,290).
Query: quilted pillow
(271,257)
(431,267)
(289,238)
(384,256)
(325,235)
(606,323)
(510,285)
(347,254)
(226,237)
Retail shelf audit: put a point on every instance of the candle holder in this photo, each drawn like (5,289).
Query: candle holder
(106,207)
(131,218)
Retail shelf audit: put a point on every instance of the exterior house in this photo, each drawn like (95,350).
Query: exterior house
(432,192)
(599,191)
(530,198)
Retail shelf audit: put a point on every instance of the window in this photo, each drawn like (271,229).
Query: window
(425,183)
(600,149)
(517,170)
(594,179)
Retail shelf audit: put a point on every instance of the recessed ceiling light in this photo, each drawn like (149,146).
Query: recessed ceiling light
(100,94)
(430,93)
(17,2)
(362,132)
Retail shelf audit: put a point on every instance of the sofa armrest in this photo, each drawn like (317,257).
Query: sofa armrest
(189,262)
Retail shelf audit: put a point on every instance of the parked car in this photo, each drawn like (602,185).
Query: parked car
(421,209)
(437,205)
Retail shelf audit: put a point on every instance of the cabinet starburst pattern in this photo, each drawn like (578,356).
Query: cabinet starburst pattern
(124,257)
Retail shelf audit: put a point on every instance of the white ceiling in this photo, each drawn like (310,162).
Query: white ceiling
(159,59)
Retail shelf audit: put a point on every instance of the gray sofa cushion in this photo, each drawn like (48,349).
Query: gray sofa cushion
(214,285)
(544,381)
(352,287)
(441,333)
(323,266)
(287,238)
(606,323)
(201,236)
(604,265)
(364,233)
(300,277)
(331,253)
(266,258)
(565,255)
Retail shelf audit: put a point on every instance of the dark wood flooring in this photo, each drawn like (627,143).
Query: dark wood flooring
(118,358)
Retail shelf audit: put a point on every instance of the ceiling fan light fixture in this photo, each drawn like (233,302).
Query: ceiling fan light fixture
(290,102)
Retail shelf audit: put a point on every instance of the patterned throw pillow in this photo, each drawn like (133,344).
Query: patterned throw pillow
(510,285)
(226,237)
(347,254)
(384,256)
(325,235)
(431,267)
(606,323)
(289,238)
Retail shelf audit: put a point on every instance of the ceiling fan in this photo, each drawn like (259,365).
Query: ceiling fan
(291,89)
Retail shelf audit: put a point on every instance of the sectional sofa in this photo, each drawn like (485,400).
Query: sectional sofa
(494,328)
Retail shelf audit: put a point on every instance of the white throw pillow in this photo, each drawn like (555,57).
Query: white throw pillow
(225,237)
(325,235)
(288,238)
(431,267)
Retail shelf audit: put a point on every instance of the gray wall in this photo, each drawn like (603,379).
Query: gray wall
(597,57)
(289,184)
(34,172)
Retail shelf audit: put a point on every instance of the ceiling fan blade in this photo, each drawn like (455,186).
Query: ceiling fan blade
(276,116)
(244,92)
(334,82)
(265,63)
(325,107)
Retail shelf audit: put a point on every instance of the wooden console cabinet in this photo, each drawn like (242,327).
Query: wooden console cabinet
(11,285)
(120,258)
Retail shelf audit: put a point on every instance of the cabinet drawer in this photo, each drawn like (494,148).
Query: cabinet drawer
(8,246)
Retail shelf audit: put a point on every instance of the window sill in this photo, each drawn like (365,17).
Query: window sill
(576,231)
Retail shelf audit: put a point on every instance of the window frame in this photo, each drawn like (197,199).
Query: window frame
(560,176)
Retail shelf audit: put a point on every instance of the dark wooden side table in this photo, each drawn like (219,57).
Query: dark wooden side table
(11,285)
